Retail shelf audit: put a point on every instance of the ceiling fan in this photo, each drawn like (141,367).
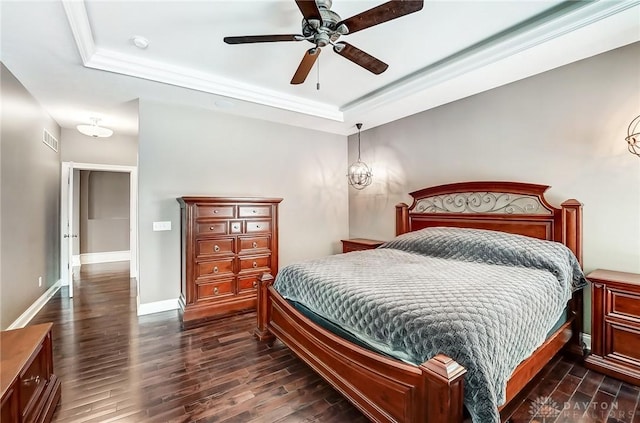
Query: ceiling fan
(322,26)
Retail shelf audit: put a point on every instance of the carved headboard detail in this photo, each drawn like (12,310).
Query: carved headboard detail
(513,207)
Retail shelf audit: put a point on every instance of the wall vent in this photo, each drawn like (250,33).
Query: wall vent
(50,140)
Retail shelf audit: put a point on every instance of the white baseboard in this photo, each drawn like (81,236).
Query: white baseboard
(157,307)
(586,338)
(29,313)
(106,257)
(75,260)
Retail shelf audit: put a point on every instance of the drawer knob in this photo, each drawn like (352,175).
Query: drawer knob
(254,211)
(255,244)
(216,290)
(33,379)
(215,269)
(257,226)
(255,284)
(211,228)
(255,264)
(215,211)
(216,248)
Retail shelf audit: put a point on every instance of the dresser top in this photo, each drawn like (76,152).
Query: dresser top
(16,347)
(204,199)
(615,276)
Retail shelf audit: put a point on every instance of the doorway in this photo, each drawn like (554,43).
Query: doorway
(69,229)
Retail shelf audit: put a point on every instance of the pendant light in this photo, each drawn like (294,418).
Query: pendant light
(94,130)
(359,173)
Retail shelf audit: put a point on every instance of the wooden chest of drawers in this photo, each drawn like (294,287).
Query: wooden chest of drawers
(30,390)
(615,329)
(226,244)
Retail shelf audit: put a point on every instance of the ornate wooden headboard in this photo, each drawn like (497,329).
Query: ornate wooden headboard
(513,207)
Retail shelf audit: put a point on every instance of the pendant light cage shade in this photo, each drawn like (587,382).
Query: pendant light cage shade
(94,130)
(359,173)
(633,136)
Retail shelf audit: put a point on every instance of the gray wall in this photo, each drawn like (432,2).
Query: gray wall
(187,151)
(104,211)
(563,128)
(30,217)
(116,150)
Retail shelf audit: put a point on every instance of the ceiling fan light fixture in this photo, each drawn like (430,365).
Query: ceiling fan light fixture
(94,130)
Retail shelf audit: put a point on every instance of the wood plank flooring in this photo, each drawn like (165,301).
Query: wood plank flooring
(117,367)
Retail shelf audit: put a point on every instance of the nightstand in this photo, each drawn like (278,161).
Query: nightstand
(615,324)
(358,244)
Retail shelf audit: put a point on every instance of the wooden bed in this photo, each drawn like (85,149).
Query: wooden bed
(388,390)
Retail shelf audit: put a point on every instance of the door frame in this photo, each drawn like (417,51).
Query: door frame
(65,194)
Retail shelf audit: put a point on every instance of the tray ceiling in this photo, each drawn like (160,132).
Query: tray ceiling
(446,51)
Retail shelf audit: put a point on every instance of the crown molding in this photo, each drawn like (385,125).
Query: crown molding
(561,20)
(572,17)
(80,27)
(111,61)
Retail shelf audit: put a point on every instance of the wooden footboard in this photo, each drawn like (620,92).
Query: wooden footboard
(384,389)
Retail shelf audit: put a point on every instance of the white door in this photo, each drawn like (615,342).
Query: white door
(66,226)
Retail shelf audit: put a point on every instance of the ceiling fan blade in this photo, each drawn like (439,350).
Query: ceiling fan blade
(305,65)
(262,38)
(380,14)
(309,9)
(361,58)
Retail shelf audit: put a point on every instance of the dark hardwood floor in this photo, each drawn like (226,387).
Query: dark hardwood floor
(117,367)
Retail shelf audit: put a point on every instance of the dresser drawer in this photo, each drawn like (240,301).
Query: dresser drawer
(31,383)
(625,304)
(215,211)
(625,343)
(211,228)
(207,291)
(253,226)
(207,247)
(255,263)
(249,245)
(221,267)
(254,211)
(248,283)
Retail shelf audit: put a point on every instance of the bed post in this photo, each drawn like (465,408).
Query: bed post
(444,380)
(262,332)
(572,227)
(402,219)
(572,238)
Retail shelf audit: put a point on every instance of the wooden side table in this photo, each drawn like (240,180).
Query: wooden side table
(615,324)
(358,244)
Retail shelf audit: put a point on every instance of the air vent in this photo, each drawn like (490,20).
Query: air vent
(50,140)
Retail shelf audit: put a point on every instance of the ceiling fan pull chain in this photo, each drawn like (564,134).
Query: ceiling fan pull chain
(318,82)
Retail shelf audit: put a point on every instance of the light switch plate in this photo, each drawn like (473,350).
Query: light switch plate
(162,226)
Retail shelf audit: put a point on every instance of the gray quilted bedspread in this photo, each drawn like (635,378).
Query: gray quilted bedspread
(486,299)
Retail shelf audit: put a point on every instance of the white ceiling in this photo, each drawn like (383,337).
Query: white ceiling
(77,57)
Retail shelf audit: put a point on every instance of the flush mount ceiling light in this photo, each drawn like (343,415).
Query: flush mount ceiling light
(359,173)
(94,130)
(633,136)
